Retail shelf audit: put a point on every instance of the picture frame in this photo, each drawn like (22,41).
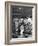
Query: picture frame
(8,22)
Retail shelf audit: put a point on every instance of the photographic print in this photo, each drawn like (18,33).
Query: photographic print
(21,22)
